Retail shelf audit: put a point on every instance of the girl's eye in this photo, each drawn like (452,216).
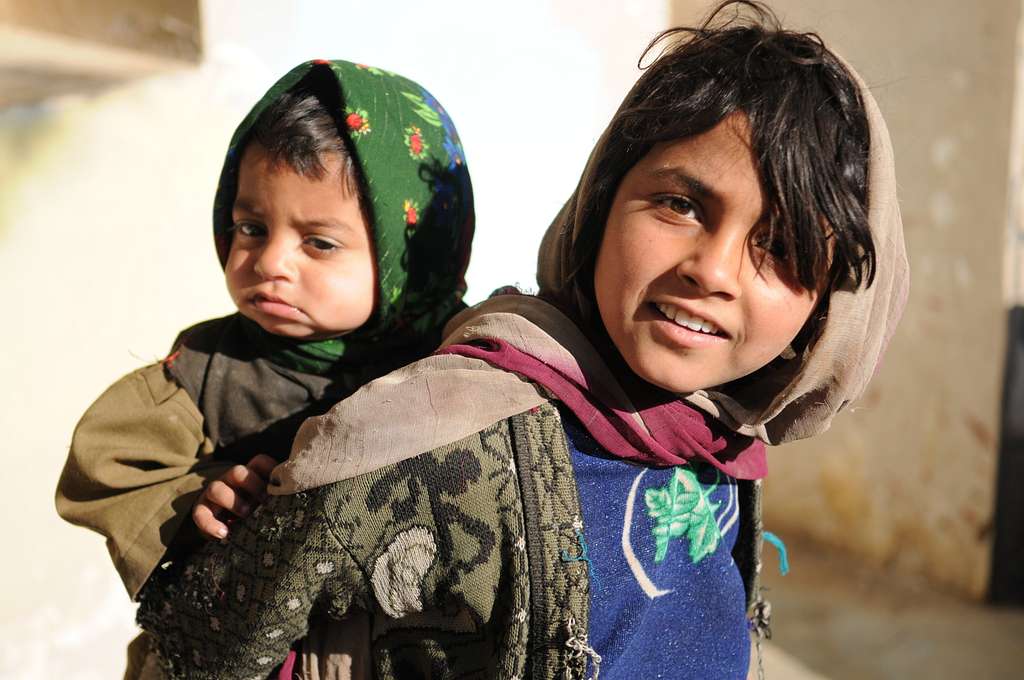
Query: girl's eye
(681,206)
(249,229)
(772,255)
(775,248)
(322,245)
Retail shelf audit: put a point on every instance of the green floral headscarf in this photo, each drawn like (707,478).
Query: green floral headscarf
(416,189)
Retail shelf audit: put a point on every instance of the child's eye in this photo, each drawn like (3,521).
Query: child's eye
(249,229)
(321,245)
(679,205)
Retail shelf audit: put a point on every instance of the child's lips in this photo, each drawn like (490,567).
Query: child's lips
(276,307)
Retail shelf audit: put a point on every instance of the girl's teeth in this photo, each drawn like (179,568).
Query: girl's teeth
(686,321)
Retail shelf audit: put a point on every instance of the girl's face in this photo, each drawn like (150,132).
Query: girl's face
(677,280)
(301,263)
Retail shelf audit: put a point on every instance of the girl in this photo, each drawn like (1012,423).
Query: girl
(571,482)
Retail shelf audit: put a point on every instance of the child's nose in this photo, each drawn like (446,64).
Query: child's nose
(273,261)
(715,263)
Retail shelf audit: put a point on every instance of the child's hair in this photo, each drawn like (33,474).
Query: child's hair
(297,129)
(809,135)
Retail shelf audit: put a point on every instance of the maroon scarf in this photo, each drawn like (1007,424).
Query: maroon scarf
(676,432)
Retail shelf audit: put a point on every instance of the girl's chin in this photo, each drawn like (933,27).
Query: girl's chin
(681,372)
(676,377)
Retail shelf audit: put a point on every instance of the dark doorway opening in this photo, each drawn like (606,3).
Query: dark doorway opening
(1007,584)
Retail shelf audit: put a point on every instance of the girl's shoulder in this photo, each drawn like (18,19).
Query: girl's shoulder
(478,481)
(431,405)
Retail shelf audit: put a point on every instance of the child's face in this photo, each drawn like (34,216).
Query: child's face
(677,282)
(301,262)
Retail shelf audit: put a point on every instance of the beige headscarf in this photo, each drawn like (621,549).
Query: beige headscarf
(797,398)
(441,399)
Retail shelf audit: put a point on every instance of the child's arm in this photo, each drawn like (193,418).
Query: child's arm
(233,495)
(138,460)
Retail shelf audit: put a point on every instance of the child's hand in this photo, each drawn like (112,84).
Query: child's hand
(234,495)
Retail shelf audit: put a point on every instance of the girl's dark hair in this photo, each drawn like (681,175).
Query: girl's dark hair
(298,129)
(809,135)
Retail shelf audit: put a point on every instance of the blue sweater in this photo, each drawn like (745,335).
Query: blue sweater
(667,600)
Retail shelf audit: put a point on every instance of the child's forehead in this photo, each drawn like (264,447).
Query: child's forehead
(258,167)
(274,190)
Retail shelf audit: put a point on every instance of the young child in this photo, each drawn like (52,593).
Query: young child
(343,223)
(570,485)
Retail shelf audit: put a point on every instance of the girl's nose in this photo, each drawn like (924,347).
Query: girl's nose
(714,263)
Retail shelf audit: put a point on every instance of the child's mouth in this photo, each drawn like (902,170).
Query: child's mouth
(276,307)
(688,321)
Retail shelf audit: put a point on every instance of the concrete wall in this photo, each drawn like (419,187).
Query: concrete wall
(106,250)
(54,47)
(168,28)
(907,477)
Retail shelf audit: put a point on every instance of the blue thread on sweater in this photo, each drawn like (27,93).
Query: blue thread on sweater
(584,556)
(781,547)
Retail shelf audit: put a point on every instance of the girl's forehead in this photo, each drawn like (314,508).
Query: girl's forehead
(728,140)
(714,165)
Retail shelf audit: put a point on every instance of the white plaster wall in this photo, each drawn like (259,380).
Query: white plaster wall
(1013,262)
(105,248)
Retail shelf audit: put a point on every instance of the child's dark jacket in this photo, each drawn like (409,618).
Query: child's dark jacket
(146,447)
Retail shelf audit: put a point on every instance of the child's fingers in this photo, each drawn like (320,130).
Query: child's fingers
(206,521)
(248,481)
(222,495)
(263,465)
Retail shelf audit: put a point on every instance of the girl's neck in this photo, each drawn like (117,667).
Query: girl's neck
(642,394)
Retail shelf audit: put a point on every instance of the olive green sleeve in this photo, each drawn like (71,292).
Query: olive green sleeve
(138,459)
(234,607)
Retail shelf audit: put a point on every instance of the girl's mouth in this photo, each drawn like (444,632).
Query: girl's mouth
(688,321)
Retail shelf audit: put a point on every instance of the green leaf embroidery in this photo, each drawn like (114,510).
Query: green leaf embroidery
(422,110)
(683,508)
